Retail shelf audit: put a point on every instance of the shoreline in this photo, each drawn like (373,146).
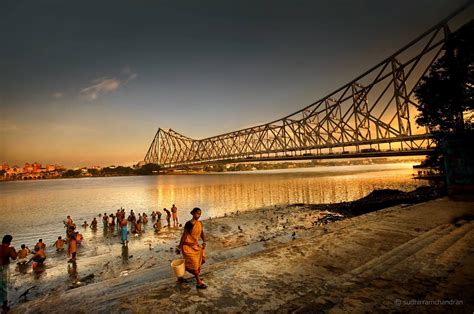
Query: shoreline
(202,172)
(380,199)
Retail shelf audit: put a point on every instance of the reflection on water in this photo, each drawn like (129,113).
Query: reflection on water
(72,271)
(125,254)
(23,268)
(36,209)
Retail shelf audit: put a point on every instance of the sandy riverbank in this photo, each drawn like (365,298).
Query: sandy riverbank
(366,262)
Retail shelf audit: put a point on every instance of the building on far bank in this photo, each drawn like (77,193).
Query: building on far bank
(31,171)
(27,168)
(50,168)
(36,167)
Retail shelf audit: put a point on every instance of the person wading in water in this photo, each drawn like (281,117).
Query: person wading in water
(7,252)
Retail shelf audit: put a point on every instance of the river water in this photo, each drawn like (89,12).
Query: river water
(36,209)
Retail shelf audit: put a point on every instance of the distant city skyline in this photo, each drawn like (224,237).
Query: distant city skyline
(89,83)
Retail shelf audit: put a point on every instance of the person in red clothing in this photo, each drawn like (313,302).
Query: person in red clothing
(6,252)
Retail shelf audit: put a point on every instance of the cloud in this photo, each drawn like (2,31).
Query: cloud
(132,76)
(57,95)
(101,86)
(104,85)
(126,71)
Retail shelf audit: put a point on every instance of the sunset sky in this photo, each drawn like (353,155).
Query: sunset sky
(89,82)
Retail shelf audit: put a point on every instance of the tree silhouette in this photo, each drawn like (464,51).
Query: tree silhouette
(447,92)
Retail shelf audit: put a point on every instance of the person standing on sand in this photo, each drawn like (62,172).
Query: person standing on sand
(174,212)
(193,252)
(6,252)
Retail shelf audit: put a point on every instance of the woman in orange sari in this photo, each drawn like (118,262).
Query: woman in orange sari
(193,252)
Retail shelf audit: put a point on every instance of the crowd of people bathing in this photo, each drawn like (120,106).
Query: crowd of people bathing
(119,220)
(110,221)
(192,243)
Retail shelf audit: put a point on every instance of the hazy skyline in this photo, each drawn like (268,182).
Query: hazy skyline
(86,83)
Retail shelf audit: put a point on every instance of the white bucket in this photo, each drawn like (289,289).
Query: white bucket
(178,267)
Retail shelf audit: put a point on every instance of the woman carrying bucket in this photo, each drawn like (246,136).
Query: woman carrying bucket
(193,252)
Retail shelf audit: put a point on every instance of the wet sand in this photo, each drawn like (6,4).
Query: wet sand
(281,260)
(103,257)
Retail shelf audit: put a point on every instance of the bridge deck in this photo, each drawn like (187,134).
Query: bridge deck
(349,155)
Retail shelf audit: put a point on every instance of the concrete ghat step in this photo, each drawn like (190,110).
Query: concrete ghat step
(379,264)
(452,256)
(415,265)
(400,254)
(415,262)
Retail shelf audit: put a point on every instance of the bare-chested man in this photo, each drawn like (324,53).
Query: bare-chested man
(59,244)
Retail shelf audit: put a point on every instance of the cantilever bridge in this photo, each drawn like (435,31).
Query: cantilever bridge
(373,115)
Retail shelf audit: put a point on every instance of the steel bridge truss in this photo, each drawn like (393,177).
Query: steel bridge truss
(372,113)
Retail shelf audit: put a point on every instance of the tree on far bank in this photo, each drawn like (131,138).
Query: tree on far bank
(72,173)
(94,172)
(148,169)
